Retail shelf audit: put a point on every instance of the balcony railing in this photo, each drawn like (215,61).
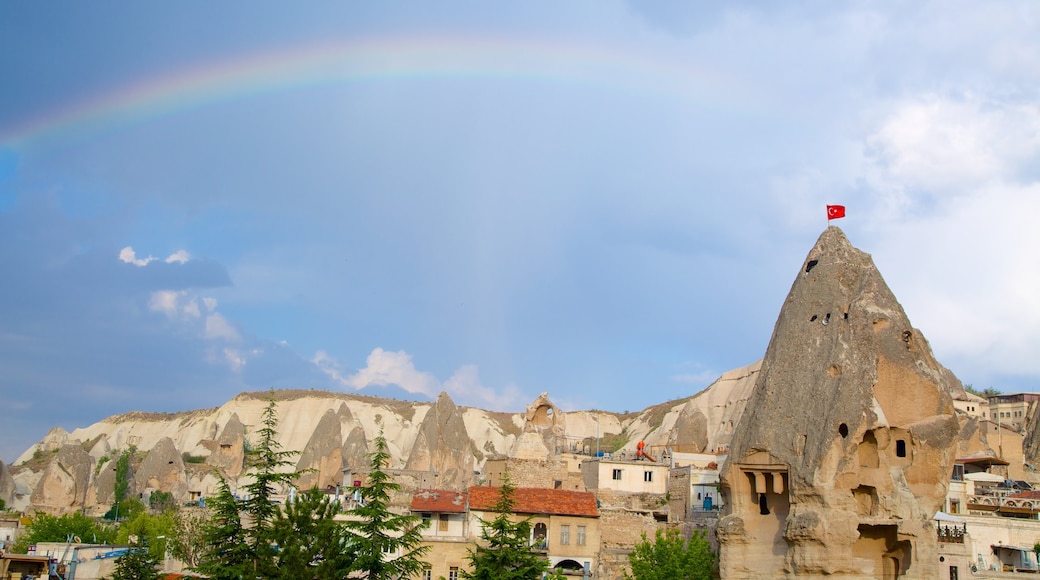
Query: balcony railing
(952,535)
(1010,505)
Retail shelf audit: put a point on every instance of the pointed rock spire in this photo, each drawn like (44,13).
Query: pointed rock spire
(847,440)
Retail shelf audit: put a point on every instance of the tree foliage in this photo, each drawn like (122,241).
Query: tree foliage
(187,544)
(507,555)
(311,544)
(375,530)
(137,564)
(669,557)
(225,555)
(48,528)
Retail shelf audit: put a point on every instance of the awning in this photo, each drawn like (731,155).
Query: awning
(945,517)
(983,476)
(1012,548)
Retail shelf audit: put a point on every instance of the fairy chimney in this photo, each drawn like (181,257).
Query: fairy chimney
(845,449)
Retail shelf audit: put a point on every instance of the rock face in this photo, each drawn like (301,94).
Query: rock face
(162,470)
(66,481)
(844,452)
(322,459)
(6,484)
(229,454)
(690,433)
(444,446)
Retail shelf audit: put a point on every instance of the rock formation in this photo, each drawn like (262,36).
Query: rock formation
(443,446)
(690,433)
(355,448)
(162,470)
(844,452)
(6,484)
(65,481)
(322,458)
(228,455)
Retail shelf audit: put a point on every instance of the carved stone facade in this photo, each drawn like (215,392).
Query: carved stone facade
(844,452)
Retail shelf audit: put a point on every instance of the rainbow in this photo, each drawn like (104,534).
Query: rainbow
(344,62)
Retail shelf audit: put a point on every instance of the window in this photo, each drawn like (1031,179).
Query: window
(442,523)
(958,472)
(453,573)
(648,476)
(565,535)
(427,573)
(617,475)
(426,519)
(388,549)
(900,448)
(581,535)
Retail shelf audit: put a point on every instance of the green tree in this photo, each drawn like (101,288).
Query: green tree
(387,545)
(137,564)
(507,555)
(48,528)
(149,531)
(123,506)
(669,557)
(268,463)
(311,544)
(225,555)
(162,501)
(186,544)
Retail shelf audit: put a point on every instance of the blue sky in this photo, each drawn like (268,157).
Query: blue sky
(604,200)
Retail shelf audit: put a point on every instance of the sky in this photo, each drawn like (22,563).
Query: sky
(605,200)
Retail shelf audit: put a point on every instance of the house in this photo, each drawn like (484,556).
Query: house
(445,531)
(564,523)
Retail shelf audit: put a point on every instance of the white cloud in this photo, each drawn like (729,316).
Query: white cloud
(396,368)
(218,327)
(946,146)
(210,303)
(128,255)
(164,301)
(178,257)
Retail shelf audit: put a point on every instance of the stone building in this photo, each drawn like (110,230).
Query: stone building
(846,446)
(565,525)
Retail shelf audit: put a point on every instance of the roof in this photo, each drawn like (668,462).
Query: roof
(984,460)
(439,500)
(537,501)
(1013,548)
(1031,494)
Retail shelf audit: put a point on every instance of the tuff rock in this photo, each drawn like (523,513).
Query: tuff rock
(845,448)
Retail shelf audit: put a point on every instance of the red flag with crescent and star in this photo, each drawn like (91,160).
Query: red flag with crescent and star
(835,211)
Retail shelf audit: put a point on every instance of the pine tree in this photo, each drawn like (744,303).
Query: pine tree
(225,554)
(507,555)
(136,564)
(387,545)
(311,544)
(268,465)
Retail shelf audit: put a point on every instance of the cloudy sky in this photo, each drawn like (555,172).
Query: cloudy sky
(605,200)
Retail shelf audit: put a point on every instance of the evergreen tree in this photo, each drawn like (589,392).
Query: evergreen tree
(225,553)
(669,557)
(387,545)
(311,544)
(507,555)
(136,564)
(268,465)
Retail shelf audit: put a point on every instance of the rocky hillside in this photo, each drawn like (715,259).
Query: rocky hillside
(181,452)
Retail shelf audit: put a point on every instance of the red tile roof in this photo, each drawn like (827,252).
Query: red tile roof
(537,501)
(1032,494)
(439,500)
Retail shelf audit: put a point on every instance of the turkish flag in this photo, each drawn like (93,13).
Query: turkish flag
(835,211)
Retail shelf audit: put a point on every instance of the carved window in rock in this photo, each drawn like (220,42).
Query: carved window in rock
(868,451)
(768,489)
